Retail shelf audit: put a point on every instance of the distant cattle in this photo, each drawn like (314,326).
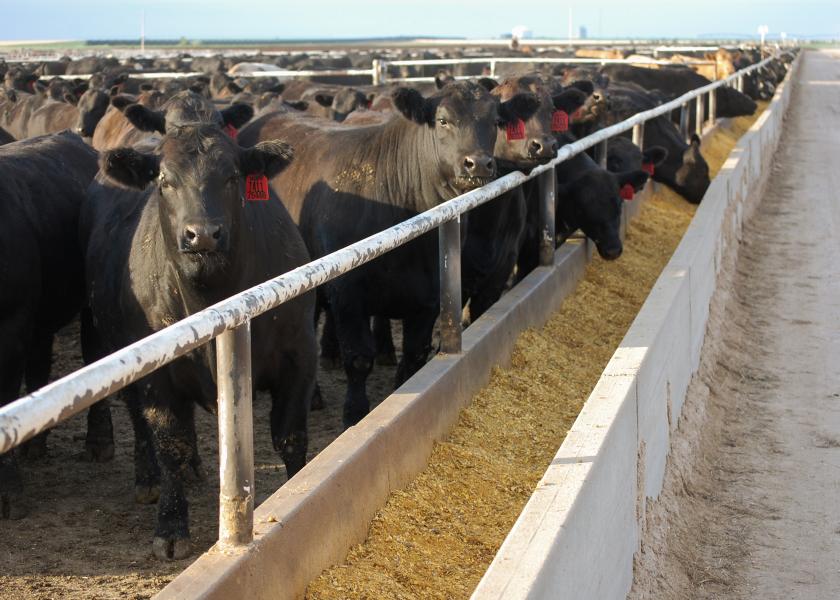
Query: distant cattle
(42,186)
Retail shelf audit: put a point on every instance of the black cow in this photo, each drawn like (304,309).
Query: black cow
(495,231)
(179,237)
(352,182)
(673,82)
(684,168)
(42,186)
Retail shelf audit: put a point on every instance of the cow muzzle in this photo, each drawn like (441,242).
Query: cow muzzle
(202,238)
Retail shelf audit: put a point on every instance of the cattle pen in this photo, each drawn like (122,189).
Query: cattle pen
(229,321)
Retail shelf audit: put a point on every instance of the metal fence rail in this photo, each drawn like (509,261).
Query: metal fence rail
(229,320)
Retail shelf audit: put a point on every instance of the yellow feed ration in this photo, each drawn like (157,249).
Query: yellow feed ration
(436,538)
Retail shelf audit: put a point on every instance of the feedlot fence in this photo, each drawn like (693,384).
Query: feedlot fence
(229,320)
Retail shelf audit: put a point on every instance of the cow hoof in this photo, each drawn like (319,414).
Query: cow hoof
(331,363)
(98,452)
(171,549)
(386,359)
(12,507)
(146,494)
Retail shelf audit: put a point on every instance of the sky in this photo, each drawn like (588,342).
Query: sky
(279,19)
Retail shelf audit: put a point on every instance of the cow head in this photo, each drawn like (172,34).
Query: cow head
(732,103)
(92,106)
(624,155)
(692,177)
(462,121)
(199,177)
(539,144)
(187,108)
(591,203)
(341,103)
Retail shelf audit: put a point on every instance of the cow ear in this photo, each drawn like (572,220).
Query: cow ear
(266,158)
(80,88)
(120,102)
(71,99)
(635,178)
(695,140)
(655,155)
(587,87)
(521,106)
(197,88)
(130,168)
(237,114)
(120,79)
(488,83)
(324,99)
(146,87)
(297,104)
(233,88)
(145,119)
(39,88)
(412,105)
(443,78)
(569,100)
(11,95)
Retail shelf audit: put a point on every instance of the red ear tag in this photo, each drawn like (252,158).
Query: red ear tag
(231,131)
(627,192)
(559,121)
(256,187)
(515,130)
(648,168)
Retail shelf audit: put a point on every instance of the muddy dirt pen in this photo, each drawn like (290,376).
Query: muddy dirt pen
(435,537)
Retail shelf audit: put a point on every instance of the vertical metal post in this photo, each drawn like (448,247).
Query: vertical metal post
(236,437)
(712,106)
(548,234)
(602,153)
(684,121)
(639,135)
(377,71)
(493,69)
(449,249)
(699,114)
(739,85)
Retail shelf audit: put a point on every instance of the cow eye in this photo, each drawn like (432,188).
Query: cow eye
(443,122)
(165,185)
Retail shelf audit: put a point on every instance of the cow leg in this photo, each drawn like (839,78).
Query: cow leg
(330,349)
(290,408)
(417,344)
(146,470)
(170,426)
(12,505)
(38,363)
(386,355)
(99,440)
(357,351)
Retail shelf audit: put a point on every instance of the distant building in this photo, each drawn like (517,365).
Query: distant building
(582,33)
(521,32)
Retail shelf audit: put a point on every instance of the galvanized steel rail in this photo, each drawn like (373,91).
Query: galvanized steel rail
(229,320)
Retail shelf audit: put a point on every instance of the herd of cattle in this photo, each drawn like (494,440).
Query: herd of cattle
(133,203)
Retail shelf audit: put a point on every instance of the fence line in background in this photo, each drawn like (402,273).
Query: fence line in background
(230,319)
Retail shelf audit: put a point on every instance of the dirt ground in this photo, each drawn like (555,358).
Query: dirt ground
(751,503)
(86,538)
